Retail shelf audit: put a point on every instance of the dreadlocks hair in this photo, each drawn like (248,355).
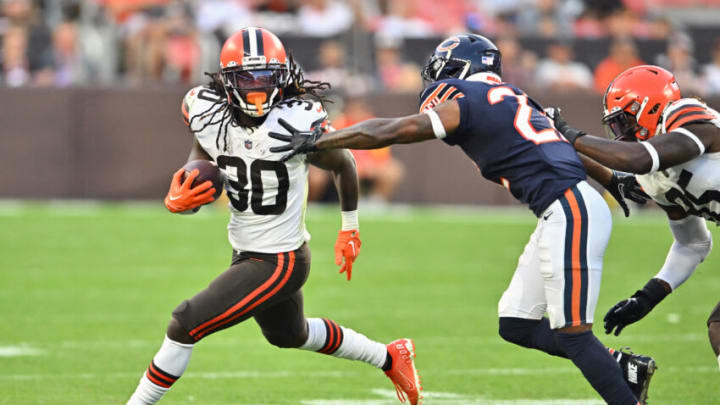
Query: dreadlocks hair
(300,87)
(224,114)
(223,109)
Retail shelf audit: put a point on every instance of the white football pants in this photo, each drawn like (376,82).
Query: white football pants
(561,268)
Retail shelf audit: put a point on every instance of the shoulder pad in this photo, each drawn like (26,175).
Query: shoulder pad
(302,114)
(199,100)
(438,93)
(686,111)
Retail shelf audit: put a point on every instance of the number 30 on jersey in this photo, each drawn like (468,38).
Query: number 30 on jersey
(253,196)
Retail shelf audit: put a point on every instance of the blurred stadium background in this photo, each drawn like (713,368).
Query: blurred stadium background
(90,110)
(92,88)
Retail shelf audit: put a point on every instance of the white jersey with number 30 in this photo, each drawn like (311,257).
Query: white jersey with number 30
(267,197)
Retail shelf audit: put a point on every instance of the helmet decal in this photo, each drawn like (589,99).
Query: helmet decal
(451,42)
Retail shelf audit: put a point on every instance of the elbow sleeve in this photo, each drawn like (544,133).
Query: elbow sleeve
(693,243)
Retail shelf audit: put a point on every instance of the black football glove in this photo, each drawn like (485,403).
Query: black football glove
(634,308)
(624,185)
(298,141)
(570,133)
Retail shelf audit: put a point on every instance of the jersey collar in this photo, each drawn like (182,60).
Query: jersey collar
(487,77)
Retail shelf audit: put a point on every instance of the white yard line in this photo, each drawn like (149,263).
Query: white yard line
(447,398)
(17,351)
(463,401)
(335,374)
(628,339)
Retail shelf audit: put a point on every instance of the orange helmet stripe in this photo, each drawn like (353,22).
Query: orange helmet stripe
(233,50)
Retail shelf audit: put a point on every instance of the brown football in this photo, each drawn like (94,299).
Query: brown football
(208,171)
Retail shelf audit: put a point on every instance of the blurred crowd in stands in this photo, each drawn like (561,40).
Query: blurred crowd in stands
(359,46)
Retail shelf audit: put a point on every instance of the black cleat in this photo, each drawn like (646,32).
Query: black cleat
(637,371)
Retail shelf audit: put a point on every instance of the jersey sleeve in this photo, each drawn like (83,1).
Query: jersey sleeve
(199,100)
(188,101)
(437,94)
(685,112)
(304,115)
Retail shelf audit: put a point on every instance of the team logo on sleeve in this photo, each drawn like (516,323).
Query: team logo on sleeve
(442,93)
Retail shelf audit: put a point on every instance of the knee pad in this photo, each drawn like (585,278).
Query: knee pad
(517,330)
(287,339)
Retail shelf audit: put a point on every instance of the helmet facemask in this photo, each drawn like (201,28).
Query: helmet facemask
(255,91)
(621,126)
(441,67)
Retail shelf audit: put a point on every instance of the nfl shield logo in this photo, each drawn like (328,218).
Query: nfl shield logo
(487,59)
(248,144)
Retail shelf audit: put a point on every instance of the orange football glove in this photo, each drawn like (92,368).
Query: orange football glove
(348,247)
(181,197)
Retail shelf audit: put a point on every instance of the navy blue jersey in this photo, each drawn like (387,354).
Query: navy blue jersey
(510,138)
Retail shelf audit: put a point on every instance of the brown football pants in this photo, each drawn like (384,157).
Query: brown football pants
(264,286)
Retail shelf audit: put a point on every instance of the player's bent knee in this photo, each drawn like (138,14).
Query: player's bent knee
(288,340)
(517,330)
(176,332)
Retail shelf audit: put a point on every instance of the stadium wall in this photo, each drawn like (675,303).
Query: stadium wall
(119,144)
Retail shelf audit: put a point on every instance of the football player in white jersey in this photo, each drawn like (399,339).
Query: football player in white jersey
(673,145)
(230,119)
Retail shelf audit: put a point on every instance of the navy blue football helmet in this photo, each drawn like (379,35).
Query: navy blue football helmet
(463,55)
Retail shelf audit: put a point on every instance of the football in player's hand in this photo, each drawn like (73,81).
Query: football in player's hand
(208,172)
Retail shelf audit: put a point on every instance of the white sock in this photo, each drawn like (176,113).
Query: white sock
(166,367)
(326,336)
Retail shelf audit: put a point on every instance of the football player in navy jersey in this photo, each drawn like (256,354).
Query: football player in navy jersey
(514,143)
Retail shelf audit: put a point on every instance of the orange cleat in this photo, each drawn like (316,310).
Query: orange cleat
(403,372)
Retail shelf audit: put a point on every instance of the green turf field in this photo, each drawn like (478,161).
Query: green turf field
(86,292)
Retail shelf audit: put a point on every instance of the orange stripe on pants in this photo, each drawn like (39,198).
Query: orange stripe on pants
(288,273)
(244,301)
(576,268)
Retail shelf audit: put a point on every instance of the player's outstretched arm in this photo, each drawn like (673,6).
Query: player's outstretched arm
(658,153)
(380,132)
(374,133)
(619,185)
(692,243)
(341,164)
